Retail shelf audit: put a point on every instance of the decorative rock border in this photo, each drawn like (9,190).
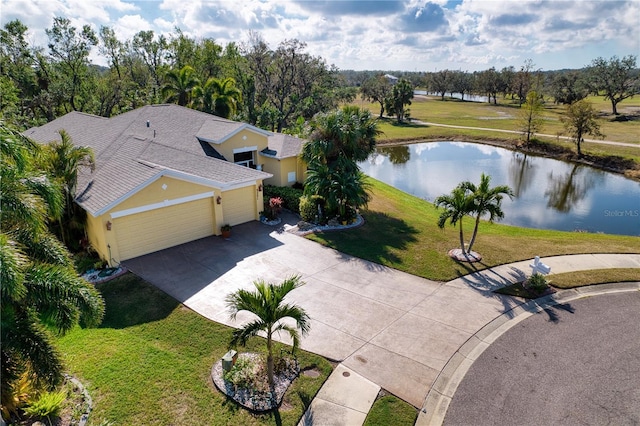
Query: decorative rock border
(87,399)
(299,229)
(96,276)
(273,222)
(254,400)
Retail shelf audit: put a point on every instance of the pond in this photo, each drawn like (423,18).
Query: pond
(549,194)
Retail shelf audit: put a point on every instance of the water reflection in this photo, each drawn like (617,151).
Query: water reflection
(399,154)
(566,190)
(521,172)
(550,194)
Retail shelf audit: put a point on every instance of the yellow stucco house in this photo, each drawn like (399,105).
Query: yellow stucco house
(166,175)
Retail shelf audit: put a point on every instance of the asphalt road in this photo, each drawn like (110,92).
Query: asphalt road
(574,364)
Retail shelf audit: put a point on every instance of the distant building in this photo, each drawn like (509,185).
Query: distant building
(391,78)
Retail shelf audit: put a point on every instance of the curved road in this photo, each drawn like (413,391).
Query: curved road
(573,364)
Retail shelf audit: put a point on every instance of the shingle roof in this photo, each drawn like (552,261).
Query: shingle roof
(129,155)
(284,145)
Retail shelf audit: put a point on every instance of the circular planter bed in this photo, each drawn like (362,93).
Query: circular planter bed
(255,396)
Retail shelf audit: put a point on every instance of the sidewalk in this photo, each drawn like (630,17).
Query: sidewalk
(470,317)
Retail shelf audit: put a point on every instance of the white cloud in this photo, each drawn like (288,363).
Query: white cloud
(417,35)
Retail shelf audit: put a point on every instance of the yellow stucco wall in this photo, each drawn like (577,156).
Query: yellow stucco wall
(154,193)
(280,170)
(243,139)
(96,231)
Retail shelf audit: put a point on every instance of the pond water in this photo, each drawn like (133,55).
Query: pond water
(467,96)
(549,194)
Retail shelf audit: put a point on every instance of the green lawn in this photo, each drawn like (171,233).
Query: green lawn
(391,411)
(504,116)
(149,363)
(401,232)
(594,276)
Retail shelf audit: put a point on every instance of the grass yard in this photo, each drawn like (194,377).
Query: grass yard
(390,410)
(594,276)
(401,232)
(504,116)
(149,363)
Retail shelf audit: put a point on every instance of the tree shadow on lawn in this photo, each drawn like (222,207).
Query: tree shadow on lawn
(375,240)
(132,301)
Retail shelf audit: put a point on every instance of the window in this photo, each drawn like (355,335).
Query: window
(291,177)
(244,159)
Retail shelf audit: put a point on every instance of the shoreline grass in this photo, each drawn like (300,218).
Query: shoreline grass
(401,232)
(150,361)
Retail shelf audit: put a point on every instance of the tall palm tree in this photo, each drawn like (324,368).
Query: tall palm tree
(63,160)
(337,142)
(179,85)
(267,304)
(351,132)
(456,206)
(219,96)
(39,283)
(486,200)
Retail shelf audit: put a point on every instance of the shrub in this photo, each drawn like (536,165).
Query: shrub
(537,283)
(248,373)
(309,208)
(48,405)
(290,196)
(273,208)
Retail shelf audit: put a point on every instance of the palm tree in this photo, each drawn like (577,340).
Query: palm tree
(179,85)
(456,206)
(486,200)
(39,283)
(63,160)
(337,142)
(266,303)
(219,96)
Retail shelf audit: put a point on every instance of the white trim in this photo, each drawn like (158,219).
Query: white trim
(245,149)
(226,137)
(165,203)
(181,176)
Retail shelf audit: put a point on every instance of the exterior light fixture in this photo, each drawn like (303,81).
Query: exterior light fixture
(108,226)
(218,200)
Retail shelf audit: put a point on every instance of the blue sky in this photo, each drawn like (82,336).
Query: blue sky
(407,35)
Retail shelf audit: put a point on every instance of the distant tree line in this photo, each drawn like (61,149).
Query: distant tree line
(274,88)
(616,79)
(251,82)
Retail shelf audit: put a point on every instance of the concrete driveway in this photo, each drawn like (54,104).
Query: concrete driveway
(395,329)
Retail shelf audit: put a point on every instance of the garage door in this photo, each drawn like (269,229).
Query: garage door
(154,230)
(239,205)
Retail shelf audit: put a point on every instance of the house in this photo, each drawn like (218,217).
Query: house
(166,175)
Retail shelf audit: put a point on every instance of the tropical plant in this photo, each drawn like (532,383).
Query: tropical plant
(486,200)
(46,406)
(273,209)
(337,142)
(580,118)
(62,160)
(40,288)
(267,304)
(179,85)
(456,206)
(219,96)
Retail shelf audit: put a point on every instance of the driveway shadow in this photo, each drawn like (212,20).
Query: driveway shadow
(184,270)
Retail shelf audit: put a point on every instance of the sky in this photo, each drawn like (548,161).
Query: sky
(411,35)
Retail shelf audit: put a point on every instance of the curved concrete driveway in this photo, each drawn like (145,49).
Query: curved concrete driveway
(394,329)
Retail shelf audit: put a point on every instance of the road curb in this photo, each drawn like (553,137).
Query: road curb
(441,393)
